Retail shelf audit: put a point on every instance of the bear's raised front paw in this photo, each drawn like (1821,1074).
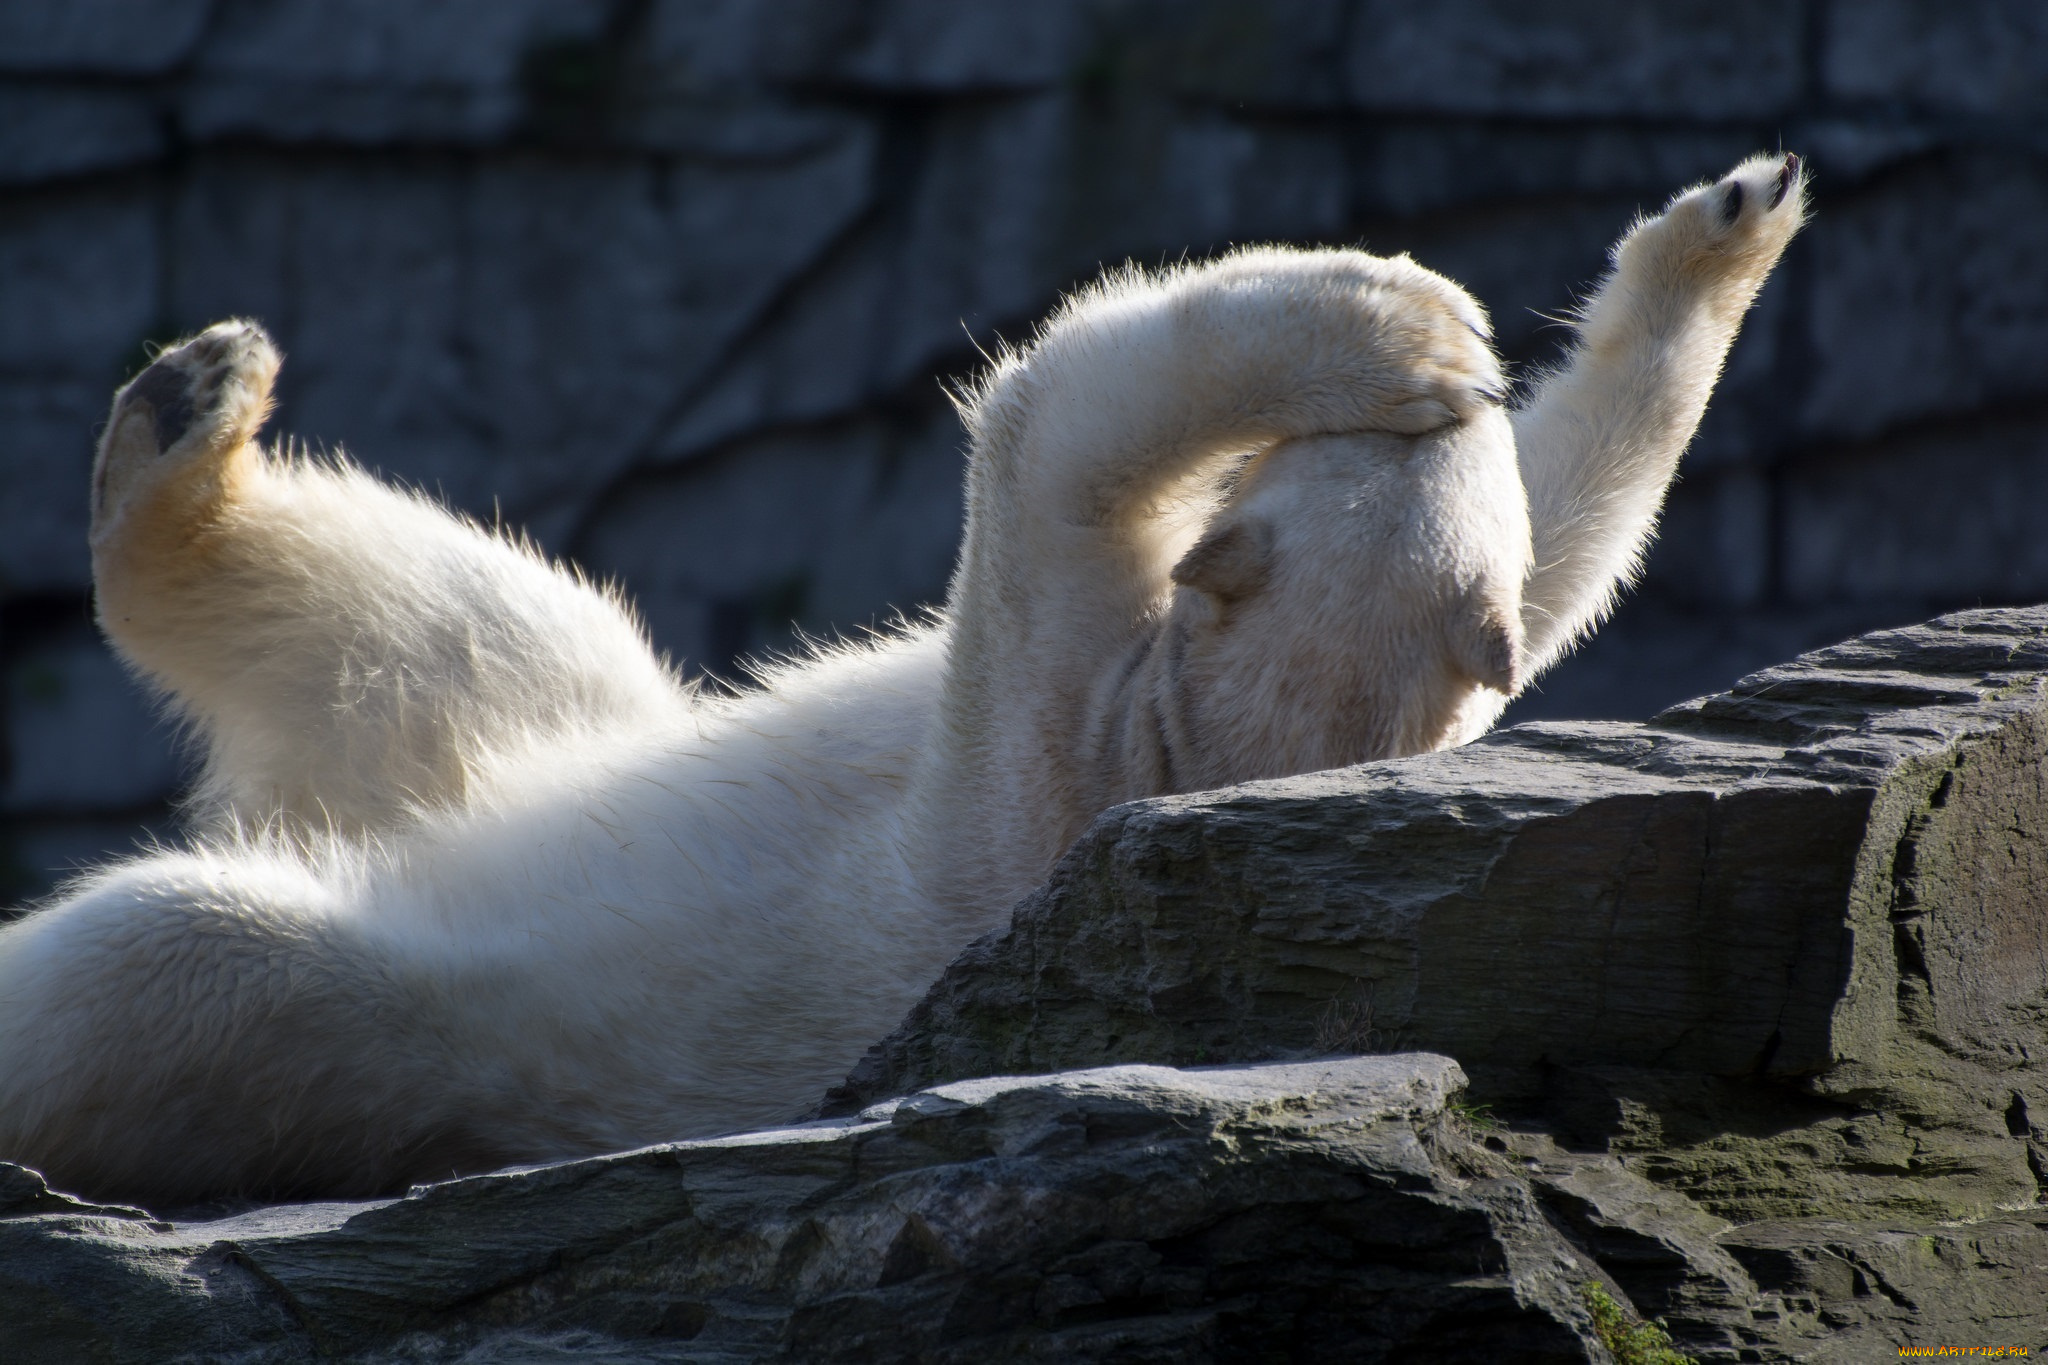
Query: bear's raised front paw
(199,401)
(1738,224)
(1431,361)
(1448,371)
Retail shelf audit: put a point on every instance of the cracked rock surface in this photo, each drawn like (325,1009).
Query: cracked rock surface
(1309,1211)
(1782,952)
(1749,1007)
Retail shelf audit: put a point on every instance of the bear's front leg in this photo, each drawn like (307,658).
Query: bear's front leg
(1600,440)
(349,653)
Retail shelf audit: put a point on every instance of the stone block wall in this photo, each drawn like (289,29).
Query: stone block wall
(673,283)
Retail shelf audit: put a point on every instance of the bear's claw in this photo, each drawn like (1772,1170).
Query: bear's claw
(1786,176)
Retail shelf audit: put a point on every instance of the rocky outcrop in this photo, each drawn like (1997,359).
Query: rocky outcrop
(1317,1211)
(1790,943)
(1783,951)
(1752,999)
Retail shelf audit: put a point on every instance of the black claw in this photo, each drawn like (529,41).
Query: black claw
(167,390)
(1731,208)
(1786,175)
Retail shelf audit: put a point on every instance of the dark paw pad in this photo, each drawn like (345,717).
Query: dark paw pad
(1731,206)
(168,391)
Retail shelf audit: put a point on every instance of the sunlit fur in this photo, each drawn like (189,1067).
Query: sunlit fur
(475,879)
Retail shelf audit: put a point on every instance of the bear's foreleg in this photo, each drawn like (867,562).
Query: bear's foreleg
(349,653)
(1101,451)
(1600,440)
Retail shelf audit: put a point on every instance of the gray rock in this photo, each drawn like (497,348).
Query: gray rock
(931,45)
(1805,1289)
(24,1192)
(1850,150)
(1698,58)
(1019,194)
(1973,57)
(1757,988)
(48,132)
(808,361)
(80,266)
(1944,513)
(1852,1291)
(1333,1210)
(1929,295)
(1406,167)
(356,267)
(1280,53)
(1285,55)
(1714,542)
(364,71)
(824,529)
(81,736)
(507,364)
(976,243)
(962,253)
(1787,943)
(1002,215)
(1656,651)
(1523,260)
(115,37)
(731,130)
(1313,1212)
(46,428)
(81,270)
(712,47)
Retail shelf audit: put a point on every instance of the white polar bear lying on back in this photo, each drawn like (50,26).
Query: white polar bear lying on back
(476,880)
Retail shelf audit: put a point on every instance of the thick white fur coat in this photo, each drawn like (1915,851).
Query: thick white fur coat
(474,879)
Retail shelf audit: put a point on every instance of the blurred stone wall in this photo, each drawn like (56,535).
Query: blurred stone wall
(672,283)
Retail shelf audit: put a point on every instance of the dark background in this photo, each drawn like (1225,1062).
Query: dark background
(671,282)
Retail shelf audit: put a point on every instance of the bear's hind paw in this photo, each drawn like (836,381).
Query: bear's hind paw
(199,401)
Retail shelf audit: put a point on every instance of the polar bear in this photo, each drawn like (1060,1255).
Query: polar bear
(474,878)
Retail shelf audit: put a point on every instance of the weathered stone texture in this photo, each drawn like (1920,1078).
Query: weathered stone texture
(1787,942)
(100,37)
(1753,1001)
(1972,57)
(47,133)
(1949,511)
(79,267)
(369,71)
(541,408)
(1691,58)
(80,735)
(1927,302)
(725,551)
(1318,1212)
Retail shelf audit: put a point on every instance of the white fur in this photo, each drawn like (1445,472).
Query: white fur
(476,880)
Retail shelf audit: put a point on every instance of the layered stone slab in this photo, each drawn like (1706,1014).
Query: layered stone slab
(1789,942)
(1753,1001)
(1124,1213)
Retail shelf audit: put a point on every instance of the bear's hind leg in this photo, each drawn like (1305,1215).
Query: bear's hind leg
(349,653)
